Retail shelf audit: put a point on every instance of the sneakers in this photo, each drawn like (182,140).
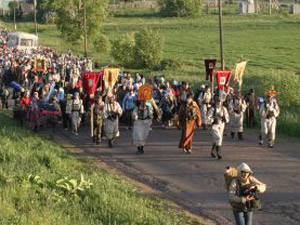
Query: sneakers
(187,151)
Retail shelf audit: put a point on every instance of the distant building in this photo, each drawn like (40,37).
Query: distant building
(27,6)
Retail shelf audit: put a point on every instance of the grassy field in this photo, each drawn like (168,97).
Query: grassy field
(32,192)
(270,43)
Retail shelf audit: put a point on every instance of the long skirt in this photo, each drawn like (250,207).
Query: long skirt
(140,132)
(111,128)
(236,122)
(217,131)
(187,134)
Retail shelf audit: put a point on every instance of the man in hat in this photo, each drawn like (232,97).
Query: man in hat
(218,117)
(269,112)
(189,117)
(112,112)
(204,100)
(76,109)
(237,107)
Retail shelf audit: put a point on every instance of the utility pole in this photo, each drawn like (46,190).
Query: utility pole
(221,35)
(15,5)
(85,28)
(270,7)
(35,18)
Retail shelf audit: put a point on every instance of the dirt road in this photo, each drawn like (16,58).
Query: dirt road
(196,181)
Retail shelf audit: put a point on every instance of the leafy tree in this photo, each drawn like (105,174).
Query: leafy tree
(101,43)
(181,8)
(123,49)
(141,49)
(70,17)
(148,48)
(15,6)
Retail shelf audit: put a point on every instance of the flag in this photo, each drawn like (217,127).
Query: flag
(145,92)
(239,72)
(210,65)
(110,77)
(223,78)
(90,81)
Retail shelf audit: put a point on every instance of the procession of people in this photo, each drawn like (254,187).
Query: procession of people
(48,86)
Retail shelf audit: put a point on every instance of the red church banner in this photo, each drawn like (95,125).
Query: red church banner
(223,78)
(90,81)
(210,65)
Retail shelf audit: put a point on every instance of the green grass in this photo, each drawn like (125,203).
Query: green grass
(110,201)
(270,43)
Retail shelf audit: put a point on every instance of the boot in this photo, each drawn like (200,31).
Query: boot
(271,144)
(261,142)
(142,150)
(110,143)
(240,135)
(138,152)
(212,151)
(232,135)
(218,149)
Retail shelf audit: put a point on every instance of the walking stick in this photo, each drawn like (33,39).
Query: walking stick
(92,120)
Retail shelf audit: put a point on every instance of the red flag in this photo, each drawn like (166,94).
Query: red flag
(210,65)
(223,78)
(90,81)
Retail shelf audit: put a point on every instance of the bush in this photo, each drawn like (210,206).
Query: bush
(123,49)
(139,49)
(148,48)
(181,8)
(101,43)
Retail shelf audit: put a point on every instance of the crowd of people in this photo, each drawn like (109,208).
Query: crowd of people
(55,93)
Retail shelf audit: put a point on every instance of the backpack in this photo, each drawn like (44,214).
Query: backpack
(230,174)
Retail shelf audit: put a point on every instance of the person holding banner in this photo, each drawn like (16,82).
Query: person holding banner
(112,112)
(218,116)
(237,107)
(142,116)
(97,111)
(189,117)
(269,112)
(204,101)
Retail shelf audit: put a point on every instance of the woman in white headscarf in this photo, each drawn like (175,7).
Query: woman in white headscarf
(243,194)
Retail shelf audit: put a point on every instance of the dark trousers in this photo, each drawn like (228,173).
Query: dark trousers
(128,113)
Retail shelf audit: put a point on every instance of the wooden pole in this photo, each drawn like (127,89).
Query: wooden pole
(221,35)
(85,28)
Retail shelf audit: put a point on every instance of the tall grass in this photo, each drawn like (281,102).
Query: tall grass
(110,200)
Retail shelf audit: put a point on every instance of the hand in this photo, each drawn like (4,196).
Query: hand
(250,198)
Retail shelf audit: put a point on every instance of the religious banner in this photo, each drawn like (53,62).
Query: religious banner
(145,92)
(90,81)
(223,78)
(110,77)
(239,72)
(40,65)
(210,65)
